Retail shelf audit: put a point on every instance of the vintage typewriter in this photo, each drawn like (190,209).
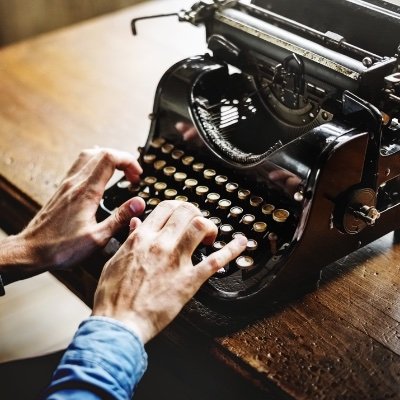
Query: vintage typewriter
(287,131)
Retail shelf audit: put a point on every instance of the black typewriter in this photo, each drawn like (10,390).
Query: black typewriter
(287,131)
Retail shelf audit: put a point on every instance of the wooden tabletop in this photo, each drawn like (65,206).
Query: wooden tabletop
(93,84)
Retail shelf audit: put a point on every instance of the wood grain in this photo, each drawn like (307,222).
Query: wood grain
(94,85)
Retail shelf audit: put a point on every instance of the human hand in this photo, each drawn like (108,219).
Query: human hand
(152,277)
(65,230)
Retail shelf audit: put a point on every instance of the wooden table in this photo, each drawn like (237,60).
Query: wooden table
(93,84)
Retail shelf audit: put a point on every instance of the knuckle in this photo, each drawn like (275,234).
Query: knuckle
(214,261)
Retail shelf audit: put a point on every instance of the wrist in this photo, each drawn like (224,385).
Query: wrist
(17,255)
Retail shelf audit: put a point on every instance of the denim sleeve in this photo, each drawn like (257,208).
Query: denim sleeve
(105,360)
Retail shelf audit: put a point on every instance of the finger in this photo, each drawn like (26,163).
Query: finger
(103,163)
(192,233)
(122,216)
(160,215)
(134,224)
(220,258)
(81,161)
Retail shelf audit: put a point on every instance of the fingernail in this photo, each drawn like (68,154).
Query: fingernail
(241,239)
(133,207)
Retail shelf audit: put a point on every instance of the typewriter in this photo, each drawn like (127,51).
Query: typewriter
(287,130)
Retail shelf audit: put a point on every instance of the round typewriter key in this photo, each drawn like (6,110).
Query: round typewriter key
(181,198)
(260,227)
(167,148)
(144,195)
(256,201)
(237,234)
(280,215)
(209,173)
(191,183)
(153,202)
(177,154)
(218,245)
(134,188)
(195,204)
(160,186)
(267,209)
(235,212)
(213,197)
(187,160)
(221,179)
(243,194)
(157,143)
(124,184)
(149,158)
(248,219)
(224,204)
(150,180)
(169,171)
(244,262)
(159,164)
(202,190)
(205,213)
(170,194)
(231,187)
(252,245)
(180,176)
(198,167)
(216,220)
(226,229)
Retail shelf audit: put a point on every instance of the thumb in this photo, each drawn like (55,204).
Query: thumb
(122,216)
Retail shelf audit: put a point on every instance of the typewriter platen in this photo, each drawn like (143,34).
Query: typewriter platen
(283,132)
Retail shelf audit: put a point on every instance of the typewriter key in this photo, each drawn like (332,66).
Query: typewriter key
(260,227)
(167,148)
(237,234)
(216,221)
(150,180)
(195,204)
(157,143)
(144,195)
(267,209)
(213,198)
(149,158)
(169,194)
(169,171)
(280,215)
(244,262)
(205,213)
(221,179)
(198,167)
(256,201)
(159,164)
(124,184)
(235,212)
(180,176)
(231,187)
(224,204)
(248,219)
(202,190)
(134,189)
(187,160)
(190,183)
(243,194)
(252,245)
(177,154)
(226,229)
(209,173)
(153,202)
(181,198)
(160,186)
(218,245)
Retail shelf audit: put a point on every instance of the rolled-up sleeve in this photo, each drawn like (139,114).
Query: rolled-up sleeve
(105,360)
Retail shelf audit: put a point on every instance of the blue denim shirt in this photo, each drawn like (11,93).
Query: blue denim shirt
(104,361)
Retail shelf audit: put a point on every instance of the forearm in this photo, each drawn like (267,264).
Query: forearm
(104,361)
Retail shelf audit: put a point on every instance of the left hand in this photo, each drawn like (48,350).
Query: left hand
(65,230)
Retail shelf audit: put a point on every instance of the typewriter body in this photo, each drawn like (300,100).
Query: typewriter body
(286,133)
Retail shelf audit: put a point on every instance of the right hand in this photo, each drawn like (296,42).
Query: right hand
(152,277)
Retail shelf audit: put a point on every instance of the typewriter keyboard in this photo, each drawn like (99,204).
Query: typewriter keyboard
(171,174)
